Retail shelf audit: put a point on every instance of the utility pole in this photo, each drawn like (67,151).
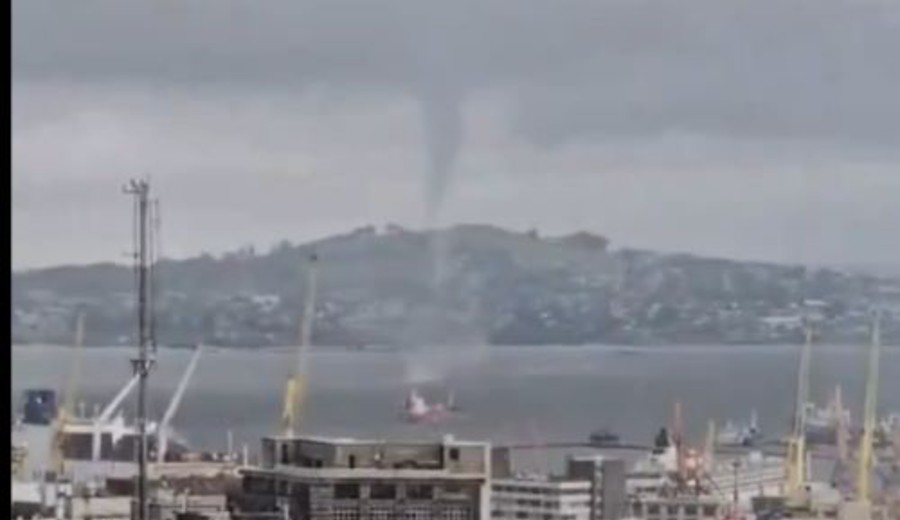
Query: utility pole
(142,364)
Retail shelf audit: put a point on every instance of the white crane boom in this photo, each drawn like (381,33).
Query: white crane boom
(174,403)
(108,412)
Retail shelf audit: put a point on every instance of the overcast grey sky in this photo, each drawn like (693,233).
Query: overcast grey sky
(764,129)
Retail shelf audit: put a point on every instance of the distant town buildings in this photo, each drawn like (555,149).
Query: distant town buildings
(510,288)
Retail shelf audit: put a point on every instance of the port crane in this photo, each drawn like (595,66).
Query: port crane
(163,429)
(862,505)
(796,462)
(295,389)
(65,412)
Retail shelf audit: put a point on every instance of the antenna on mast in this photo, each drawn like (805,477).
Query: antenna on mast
(140,190)
(154,252)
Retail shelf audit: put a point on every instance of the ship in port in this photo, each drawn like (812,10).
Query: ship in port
(60,453)
(675,470)
(604,437)
(92,448)
(740,435)
(418,410)
(822,423)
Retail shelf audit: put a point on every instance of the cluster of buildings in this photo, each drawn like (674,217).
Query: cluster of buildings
(314,478)
(323,478)
(527,290)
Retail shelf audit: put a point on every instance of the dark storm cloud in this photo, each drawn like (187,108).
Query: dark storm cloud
(747,128)
(805,70)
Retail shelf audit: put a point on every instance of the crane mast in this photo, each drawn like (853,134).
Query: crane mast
(65,412)
(295,389)
(678,438)
(796,460)
(866,456)
(709,449)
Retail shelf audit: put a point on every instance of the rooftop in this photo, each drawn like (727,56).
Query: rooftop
(352,441)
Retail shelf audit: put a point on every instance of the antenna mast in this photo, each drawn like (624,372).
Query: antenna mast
(142,364)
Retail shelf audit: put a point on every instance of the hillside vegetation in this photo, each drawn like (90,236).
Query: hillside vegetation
(494,286)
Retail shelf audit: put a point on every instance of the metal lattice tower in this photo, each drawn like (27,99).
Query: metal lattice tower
(143,363)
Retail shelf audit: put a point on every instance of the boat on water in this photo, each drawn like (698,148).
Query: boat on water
(101,446)
(418,410)
(664,476)
(744,435)
(89,447)
(604,437)
(822,423)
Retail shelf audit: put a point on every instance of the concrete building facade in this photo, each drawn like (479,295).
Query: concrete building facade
(536,498)
(347,479)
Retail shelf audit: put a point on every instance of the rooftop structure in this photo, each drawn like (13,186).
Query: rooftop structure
(349,479)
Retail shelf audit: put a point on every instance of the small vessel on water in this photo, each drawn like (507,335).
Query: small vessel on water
(677,476)
(822,423)
(418,410)
(604,437)
(744,435)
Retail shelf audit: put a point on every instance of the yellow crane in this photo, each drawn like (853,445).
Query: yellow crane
(709,448)
(866,455)
(796,446)
(295,390)
(861,507)
(65,412)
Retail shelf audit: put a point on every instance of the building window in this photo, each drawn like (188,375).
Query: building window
(456,513)
(454,488)
(351,461)
(346,491)
(285,454)
(345,513)
(259,485)
(381,514)
(690,510)
(419,492)
(709,511)
(300,492)
(454,454)
(417,513)
(382,492)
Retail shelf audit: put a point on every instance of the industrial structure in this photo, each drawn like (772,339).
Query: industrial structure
(71,464)
(100,466)
(146,340)
(856,500)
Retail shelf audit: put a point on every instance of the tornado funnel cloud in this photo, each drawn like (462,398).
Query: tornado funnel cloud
(442,122)
(436,329)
